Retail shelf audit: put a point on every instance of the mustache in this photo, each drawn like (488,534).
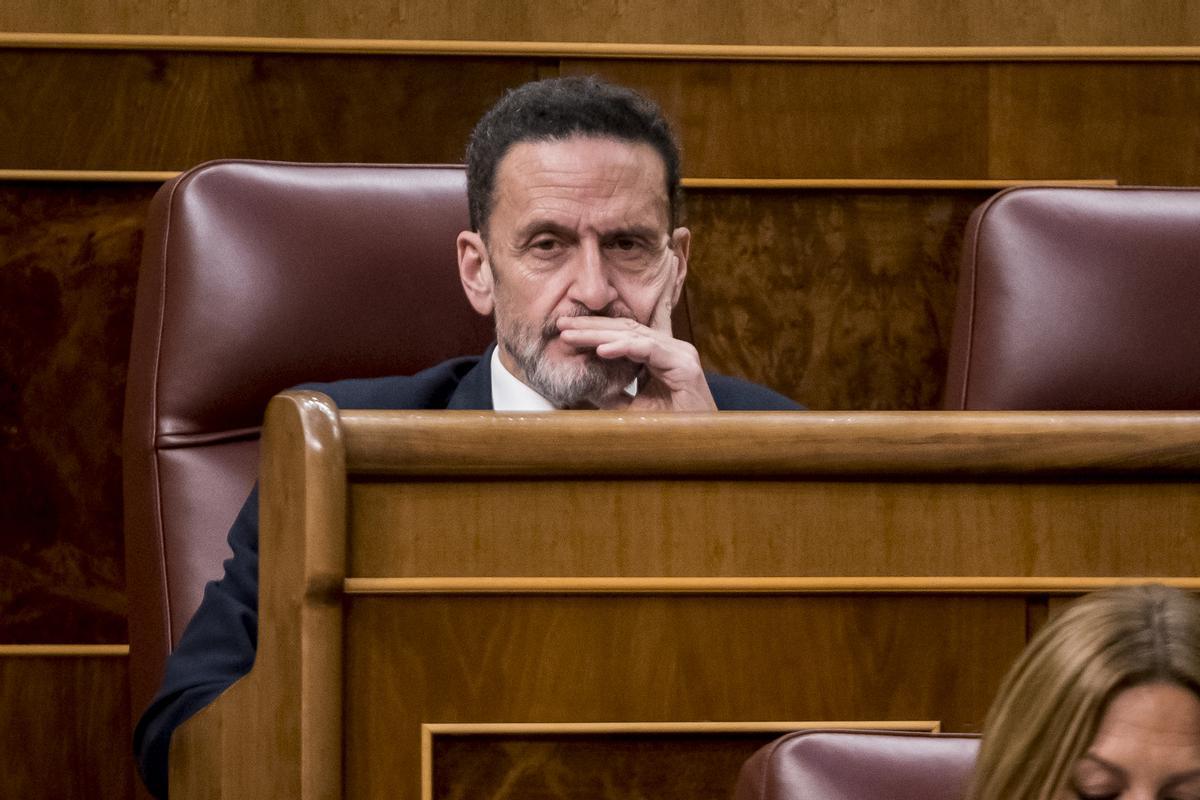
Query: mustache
(615,310)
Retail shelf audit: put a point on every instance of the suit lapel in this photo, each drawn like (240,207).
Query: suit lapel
(474,392)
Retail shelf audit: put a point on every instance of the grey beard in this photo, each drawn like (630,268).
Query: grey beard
(582,386)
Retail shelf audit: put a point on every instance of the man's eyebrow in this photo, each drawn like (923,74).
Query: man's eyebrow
(537,226)
(533,228)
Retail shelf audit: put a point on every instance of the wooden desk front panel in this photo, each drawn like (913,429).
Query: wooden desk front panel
(773,528)
(653,658)
(64,725)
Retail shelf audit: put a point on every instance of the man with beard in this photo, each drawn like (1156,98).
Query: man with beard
(575,248)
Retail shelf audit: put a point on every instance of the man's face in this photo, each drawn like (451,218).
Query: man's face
(578,227)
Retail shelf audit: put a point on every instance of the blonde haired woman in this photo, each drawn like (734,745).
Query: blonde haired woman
(1104,704)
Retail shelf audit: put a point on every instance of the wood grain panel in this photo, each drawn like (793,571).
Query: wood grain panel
(68,264)
(870,120)
(1135,122)
(817,120)
(605,659)
(912,120)
(64,728)
(843,22)
(159,111)
(807,529)
(839,300)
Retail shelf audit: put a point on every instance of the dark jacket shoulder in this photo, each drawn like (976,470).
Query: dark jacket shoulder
(735,394)
(429,388)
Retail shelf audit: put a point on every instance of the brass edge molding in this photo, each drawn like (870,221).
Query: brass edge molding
(87,175)
(748,184)
(599,50)
(430,729)
(932,184)
(64,650)
(749,585)
(426,762)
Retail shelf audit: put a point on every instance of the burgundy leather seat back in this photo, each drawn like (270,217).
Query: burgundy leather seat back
(257,276)
(860,765)
(1079,298)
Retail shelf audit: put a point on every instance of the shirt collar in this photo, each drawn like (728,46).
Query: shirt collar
(509,393)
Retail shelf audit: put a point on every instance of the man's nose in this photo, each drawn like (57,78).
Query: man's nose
(590,285)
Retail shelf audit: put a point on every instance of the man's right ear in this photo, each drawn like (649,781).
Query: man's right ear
(475,272)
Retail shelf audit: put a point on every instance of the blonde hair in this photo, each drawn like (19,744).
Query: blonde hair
(1051,702)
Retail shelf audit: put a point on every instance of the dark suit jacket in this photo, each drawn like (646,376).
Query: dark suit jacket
(218,644)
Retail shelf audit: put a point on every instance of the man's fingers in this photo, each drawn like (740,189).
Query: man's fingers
(616,324)
(614,343)
(661,354)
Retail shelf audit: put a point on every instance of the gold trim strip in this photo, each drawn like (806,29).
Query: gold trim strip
(87,175)
(751,184)
(744,585)
(933,184)
(583,728)
(63,650)
(601,50)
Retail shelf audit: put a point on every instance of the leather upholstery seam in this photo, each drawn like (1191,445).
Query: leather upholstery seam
(174,441)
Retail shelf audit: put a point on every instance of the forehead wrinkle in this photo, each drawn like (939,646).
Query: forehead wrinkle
(611,189)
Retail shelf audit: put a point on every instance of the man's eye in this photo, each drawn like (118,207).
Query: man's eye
(545,245)
(625,245)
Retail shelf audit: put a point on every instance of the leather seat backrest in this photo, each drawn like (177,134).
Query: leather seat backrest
(860,765)
(257,276)
(1079,298)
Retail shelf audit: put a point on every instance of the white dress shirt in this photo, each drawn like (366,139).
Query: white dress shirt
(509,394)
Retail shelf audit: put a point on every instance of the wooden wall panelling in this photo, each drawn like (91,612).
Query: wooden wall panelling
(937,120)
(68,265)
(154,110)
(817,120)
(64,727)
(847,22)
(1135,122)
(1010,121)
(841,300)
(646,658)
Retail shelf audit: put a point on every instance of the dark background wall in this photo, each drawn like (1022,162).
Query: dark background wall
(839,294)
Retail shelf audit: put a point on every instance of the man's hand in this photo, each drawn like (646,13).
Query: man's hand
(674,380)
